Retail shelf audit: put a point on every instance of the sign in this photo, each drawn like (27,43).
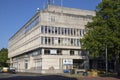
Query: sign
(67,61)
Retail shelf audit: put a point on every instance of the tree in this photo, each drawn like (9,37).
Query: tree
(3,56)
(104,30)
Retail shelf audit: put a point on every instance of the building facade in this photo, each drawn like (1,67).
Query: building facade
(50,41)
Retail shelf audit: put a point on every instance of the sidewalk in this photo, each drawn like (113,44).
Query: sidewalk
(99,78)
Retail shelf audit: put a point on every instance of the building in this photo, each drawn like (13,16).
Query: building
(50,41)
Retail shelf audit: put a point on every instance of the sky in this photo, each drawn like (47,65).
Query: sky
(15,13)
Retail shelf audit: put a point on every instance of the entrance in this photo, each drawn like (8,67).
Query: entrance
(78,64)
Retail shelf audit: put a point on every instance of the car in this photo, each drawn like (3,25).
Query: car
(4,69)
(11,70)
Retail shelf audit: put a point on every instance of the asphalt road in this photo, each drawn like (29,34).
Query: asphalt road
(7,76)
(24,76)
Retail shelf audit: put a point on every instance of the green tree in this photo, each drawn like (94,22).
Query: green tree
(104,30)
(3,56)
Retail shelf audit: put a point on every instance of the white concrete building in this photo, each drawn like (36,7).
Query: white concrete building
(50,41)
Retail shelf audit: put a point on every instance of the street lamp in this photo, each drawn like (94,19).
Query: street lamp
(106,61)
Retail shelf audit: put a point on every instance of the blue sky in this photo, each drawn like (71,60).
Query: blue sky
(15,13)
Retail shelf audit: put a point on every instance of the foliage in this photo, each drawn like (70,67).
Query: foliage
(104,30)
(3,56)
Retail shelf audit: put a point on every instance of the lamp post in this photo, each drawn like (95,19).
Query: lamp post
(106,61)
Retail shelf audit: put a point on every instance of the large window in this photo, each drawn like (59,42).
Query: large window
(36,53)
(32,24)
(53,52)
(62,31)
(60,41)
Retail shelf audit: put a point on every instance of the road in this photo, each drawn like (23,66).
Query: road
(7,76)
(24,76)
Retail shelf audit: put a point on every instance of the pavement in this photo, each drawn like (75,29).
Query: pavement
(99,78)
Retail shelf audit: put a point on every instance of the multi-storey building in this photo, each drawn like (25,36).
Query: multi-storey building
(50,41)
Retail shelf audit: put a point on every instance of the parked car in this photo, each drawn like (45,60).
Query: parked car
(11,70)
(8,70)
(4,69)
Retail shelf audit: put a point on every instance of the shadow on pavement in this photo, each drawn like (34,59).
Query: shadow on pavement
(49,77)
(111,76)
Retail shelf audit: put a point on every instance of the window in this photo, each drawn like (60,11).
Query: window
(42,29)
(79,53)
(78,42)
(52,40)
(68,31)
(26,64)
(74,31)
(71,52)
(61,41)
(36,53)
(47,52)
(38,64)
(80,32)
(49,30)
(45,40)
(55,30)
(58,40)
(71,31)
(45,29)
(71,41)
(65,31)
(62,30)
(77,32)
(53,51)
(59,30)
(75,42)
(66,41)
(42,40)
(59,52)
(49,40)
(32,24)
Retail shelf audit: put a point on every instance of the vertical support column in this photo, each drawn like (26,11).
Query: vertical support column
(42,51)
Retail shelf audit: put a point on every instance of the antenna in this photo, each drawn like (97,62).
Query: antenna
(38,9)
(61,3)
